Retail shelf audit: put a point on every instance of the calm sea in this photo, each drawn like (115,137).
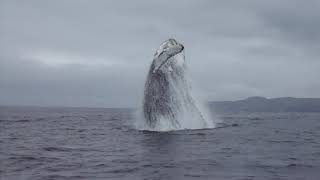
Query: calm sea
(97,143)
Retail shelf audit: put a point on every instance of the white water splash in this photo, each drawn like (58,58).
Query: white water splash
(187,120)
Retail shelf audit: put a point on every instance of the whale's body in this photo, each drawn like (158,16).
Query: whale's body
(167,97)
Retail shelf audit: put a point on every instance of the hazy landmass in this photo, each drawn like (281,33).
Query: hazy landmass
(262,104)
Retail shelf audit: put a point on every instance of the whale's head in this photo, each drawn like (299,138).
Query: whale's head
(169,56)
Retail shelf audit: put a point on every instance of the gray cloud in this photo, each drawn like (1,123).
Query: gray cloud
(97,53)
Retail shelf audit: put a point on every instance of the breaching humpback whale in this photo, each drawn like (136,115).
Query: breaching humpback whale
(167,91)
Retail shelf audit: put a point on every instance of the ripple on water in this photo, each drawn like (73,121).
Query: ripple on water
(45,146)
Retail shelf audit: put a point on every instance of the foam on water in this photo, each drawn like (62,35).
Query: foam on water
(186,120)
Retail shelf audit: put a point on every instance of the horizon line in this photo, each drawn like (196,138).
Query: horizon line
(118,107)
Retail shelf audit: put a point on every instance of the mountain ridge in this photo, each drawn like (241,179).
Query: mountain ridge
(262,104)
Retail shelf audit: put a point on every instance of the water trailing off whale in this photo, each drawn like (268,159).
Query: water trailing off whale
(167,102)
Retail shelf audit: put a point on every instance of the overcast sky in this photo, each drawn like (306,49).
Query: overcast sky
(97,52)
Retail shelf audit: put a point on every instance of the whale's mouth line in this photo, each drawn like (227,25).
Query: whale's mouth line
(165,62)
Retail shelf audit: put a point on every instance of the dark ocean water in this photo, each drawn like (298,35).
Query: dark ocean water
(88,143)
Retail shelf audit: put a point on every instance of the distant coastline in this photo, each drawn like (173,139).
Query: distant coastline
(250,104)
(262,104)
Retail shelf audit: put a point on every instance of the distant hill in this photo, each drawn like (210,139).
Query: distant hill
(262,104)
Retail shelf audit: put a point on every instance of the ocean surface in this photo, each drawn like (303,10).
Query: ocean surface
(97,143)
